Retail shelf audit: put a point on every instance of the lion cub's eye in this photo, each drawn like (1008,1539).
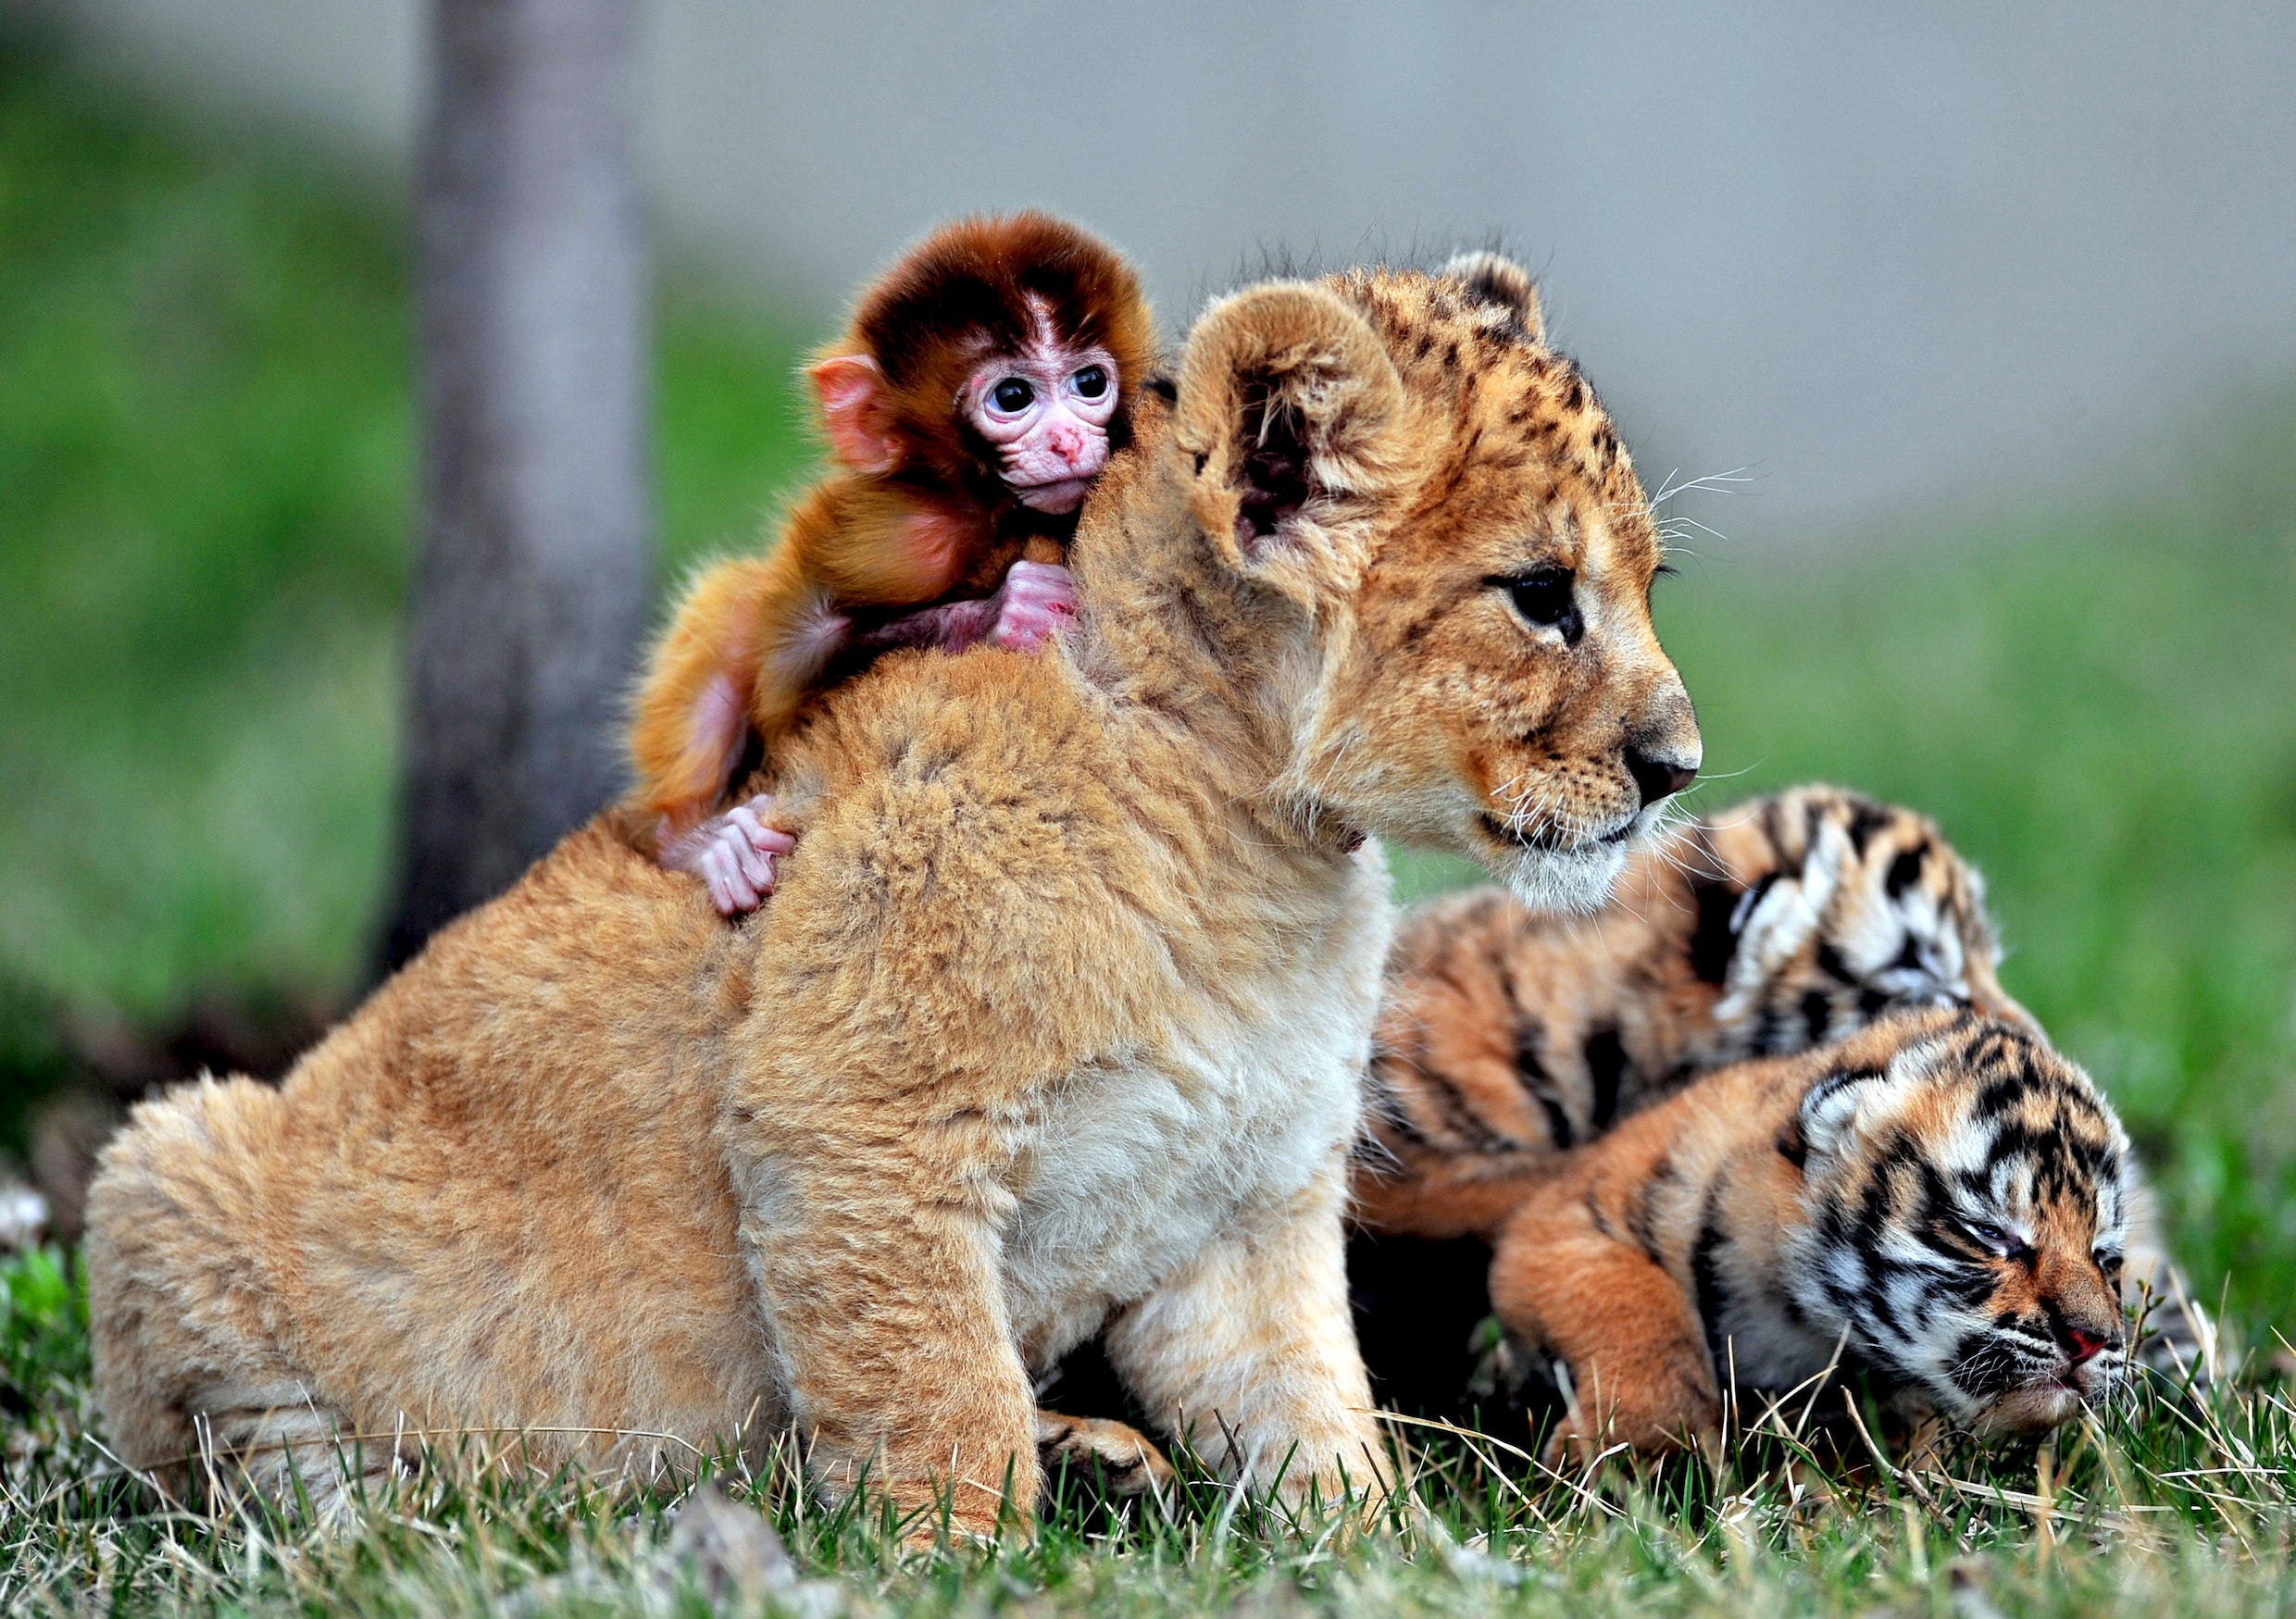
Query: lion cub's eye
(1544,598)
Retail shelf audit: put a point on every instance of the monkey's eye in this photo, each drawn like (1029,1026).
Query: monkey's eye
(1090,383)
(1012,396)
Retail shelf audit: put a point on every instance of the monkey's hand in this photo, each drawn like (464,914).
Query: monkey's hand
(1036,599)
(733,853)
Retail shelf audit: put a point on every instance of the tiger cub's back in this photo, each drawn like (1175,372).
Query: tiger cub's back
(1762,930)
(1777,925)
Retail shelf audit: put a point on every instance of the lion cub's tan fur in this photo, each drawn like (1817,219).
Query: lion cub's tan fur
(1054,1025)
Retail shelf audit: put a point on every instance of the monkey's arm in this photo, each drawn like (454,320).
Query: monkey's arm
(1035,600)
(753,639)
(851,543)
(692,717)
(753,636)
(733,853)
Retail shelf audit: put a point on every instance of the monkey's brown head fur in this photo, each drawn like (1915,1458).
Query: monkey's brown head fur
(984,285)
(1396,465)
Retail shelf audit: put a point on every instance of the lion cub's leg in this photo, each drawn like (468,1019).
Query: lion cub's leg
(1631,1336)
(1251,1351)
(287,1449)
(192,1381)
(875,1256)
(1131,1465)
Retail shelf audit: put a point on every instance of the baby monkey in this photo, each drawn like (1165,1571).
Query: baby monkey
(976,394)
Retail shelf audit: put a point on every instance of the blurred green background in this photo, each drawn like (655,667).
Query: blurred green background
(206,488)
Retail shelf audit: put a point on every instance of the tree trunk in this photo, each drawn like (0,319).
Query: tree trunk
(532,589)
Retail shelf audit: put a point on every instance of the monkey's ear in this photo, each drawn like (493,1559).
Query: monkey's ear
(857,410)
(1505,289)
(1291,411)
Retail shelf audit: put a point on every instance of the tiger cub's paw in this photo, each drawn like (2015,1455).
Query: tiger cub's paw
(1650,1415)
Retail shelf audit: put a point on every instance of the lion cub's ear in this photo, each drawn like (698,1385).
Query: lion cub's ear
(1292,413)
(1503,287)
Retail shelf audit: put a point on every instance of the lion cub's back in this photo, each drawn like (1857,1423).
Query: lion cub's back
(483,1195)
(989,883)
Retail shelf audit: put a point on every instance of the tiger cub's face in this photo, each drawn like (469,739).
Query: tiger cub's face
(1967,1195)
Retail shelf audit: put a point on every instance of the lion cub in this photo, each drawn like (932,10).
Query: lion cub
(1055,1027)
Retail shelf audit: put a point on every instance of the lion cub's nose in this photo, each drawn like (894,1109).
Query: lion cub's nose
(1658,779)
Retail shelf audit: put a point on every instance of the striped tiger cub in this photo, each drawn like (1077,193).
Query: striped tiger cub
(1939,1200)
(1779,924)
(1762,930)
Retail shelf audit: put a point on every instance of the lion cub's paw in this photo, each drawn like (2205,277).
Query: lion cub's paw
(1128,1461)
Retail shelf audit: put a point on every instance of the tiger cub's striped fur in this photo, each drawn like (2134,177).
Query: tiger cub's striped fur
(1941,1197)
(1761,930)
(1778,925)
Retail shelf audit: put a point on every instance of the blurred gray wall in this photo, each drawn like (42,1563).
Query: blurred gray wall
(1889,257)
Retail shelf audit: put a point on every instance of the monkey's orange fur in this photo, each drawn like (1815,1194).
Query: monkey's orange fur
(1055,1028)
(917,515)
(754,634)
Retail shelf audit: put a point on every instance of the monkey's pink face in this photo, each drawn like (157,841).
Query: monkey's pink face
(1046,410)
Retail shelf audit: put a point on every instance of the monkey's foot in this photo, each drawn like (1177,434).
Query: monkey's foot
(1036,599)
(733,853)
(1130,1464)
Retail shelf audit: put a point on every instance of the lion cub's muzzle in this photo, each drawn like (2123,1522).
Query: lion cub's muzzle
(1658,776)
(1663,752)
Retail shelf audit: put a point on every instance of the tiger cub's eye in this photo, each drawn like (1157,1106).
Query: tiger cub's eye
(1993,1240)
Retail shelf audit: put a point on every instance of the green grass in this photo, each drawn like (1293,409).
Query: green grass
(205,445)
(2166,1500)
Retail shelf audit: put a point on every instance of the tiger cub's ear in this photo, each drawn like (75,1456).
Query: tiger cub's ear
(1830,1109)
(1500,284)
